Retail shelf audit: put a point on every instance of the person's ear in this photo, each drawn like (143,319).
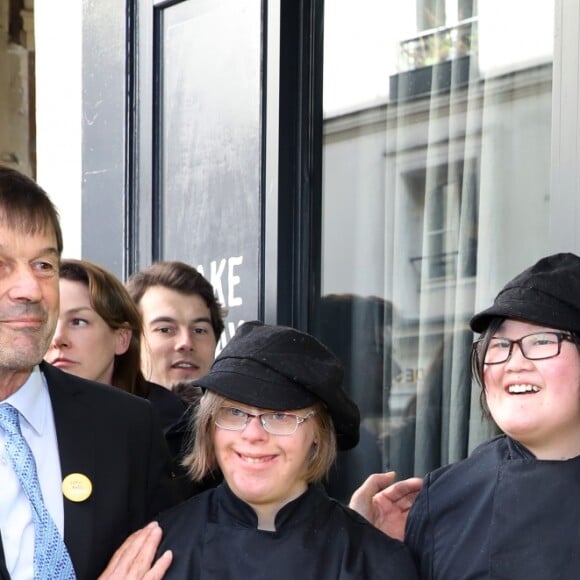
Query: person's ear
(124,336)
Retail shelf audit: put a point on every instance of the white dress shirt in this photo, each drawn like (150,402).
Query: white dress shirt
(16,524)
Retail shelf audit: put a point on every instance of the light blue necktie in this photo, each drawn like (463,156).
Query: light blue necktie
(51,558)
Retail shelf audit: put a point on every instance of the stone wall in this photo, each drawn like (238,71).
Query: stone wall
(17,104)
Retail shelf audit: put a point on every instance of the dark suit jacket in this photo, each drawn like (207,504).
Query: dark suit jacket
(175,414)
(114,439)
(174,417)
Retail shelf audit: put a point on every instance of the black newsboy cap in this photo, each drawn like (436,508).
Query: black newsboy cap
(280,368)
(547,293)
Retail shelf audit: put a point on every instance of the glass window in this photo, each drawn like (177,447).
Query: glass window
(437,129)
(210,146)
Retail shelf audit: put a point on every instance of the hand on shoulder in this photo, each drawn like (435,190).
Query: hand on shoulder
(134,559)
(386,503)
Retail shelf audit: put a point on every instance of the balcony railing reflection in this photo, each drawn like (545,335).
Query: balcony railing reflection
(436,61)
(438,45)
(439,266)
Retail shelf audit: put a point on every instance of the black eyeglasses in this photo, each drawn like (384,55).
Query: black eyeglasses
(536,346)
(274,422)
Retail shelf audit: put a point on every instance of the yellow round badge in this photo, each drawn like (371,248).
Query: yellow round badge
(77,487)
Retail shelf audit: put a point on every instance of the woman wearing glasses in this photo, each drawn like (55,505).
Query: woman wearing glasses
(271,418)
(512,509)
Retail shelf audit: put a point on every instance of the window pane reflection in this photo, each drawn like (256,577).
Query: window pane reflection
(209,119)
(436,134)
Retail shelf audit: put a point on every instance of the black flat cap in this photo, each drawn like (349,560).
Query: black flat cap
(280,368)
(547,293)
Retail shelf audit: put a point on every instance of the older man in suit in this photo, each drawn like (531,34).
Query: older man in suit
(82,465)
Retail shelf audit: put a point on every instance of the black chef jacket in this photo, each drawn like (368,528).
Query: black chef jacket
(214,536)
(500,514)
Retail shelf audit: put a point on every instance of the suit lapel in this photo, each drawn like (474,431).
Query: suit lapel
(76,444)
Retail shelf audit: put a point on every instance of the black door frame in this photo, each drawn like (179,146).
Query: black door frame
(126,182)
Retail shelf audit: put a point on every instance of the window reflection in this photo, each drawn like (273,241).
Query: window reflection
(359,331)
(436,131)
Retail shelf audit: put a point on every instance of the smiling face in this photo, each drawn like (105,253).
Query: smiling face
(178,339)
(536,402)
(28,299)
(84,344)
(266,471)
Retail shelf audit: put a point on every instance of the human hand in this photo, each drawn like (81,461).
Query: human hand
(134,559)
(386,504)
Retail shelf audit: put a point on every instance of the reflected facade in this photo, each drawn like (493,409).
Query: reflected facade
(436,180)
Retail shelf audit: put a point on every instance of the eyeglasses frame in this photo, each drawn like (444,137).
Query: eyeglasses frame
(561,336)
(249,416)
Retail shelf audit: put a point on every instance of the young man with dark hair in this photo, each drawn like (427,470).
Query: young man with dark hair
(182,322)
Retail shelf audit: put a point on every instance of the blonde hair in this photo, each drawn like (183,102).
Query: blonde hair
(201,460)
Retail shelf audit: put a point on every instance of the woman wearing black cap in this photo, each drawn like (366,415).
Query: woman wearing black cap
(512,509)
(271,418)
